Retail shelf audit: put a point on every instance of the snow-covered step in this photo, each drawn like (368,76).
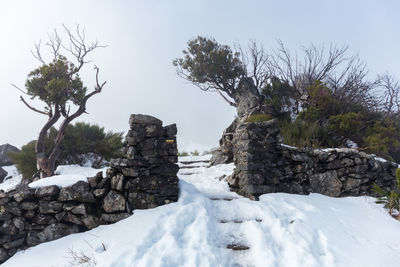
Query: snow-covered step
(239,221)
(223,198)
(189,167)
(190,162)
(237,247)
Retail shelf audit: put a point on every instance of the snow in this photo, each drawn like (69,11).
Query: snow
(380,159)
(67,175)
(12,180)
(351,144)
(280,229)
(287,146)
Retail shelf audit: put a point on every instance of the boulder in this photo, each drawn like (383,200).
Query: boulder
(79,192)
(3,174)
(51,232)
(4,159)
(114,202)
(141,119)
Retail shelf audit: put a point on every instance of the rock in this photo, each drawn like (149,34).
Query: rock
(139,200)
(326,183)
(219,157)
(90,221)
(19,222)
(130,172)
(154,131)
(170,130)
(4,150)
(51,232)
(113,218)
(351,184)
(71,218)
(4,238)
(44,219)
(49,207)
(79,191)
(143,120)
(99,193)
(3,255)
(5,216)
(94,181)
(114,202)
(13,208)
(4,200)
(14,244)
(117,182)
(3,174)
(23,194)
(47,192)
(224,154)
(81,209)
(8,228)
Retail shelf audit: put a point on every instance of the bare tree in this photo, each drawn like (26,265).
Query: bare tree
(257,63)
(389,93)
(57,83)
(344,75)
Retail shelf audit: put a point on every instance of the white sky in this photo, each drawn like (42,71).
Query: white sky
(145,36)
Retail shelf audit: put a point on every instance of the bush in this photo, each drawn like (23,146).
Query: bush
(391,200)
(81,139)
(25,160)
(259,118)
(195,153)
(383,139)
(347,125)
(183,154)
(305,134)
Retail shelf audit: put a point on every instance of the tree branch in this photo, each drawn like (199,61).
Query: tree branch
(226,99)
(34,109)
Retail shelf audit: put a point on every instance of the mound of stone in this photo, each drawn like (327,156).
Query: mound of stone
(4,159)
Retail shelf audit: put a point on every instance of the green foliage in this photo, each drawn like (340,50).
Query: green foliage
(195,153)
(25,160)
(259,118)
(183,154)
(279,96)
(209,64)
(302,133)
(348,125)
(56,83)
(320,105)
(391,200)
(383,139)
(80,138)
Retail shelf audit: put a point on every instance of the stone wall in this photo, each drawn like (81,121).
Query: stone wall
(263,165)
(144,178)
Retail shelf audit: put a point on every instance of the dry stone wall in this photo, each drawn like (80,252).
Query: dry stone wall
(144,178)
(263,166)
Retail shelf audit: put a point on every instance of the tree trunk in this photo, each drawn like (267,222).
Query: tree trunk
(45,167)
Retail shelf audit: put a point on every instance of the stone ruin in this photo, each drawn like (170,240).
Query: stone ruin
(144,178)
(264,165)
(148,172)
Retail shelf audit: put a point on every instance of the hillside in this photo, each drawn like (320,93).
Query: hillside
(211,226)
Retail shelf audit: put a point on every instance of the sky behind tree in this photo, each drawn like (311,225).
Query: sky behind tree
(143,38)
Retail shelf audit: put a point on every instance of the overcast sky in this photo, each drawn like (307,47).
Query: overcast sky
(143,38)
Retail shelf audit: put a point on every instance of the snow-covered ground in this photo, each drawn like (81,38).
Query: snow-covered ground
(280,230)
(12,180)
